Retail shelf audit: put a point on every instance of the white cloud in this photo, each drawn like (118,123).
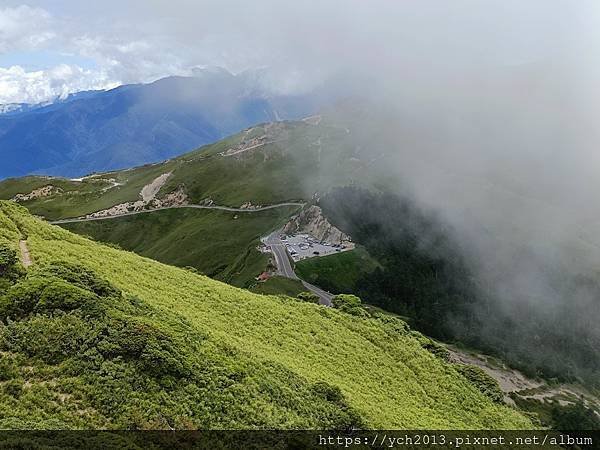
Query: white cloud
(301,42)
(25,28)
(20,86)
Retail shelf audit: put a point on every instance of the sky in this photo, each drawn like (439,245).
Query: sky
(50,48)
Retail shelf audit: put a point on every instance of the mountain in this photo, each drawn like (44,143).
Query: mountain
(342,167)
(263,165)
(137,124)
(13,108)
(95,337)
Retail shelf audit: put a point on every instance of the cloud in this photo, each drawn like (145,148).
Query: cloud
(25,28)
(302,43)
(19,86)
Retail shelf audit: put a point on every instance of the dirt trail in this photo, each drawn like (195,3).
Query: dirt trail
(25,256)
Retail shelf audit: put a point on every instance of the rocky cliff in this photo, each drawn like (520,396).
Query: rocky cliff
(312,221)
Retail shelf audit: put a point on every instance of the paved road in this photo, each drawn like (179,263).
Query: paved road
(282,259)
(324,296)
(144,211)
(284,265)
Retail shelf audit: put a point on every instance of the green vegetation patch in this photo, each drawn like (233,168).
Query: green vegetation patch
(337,273)
(169,348)
(279,286)
(220,244)
(78,353)
(78,198)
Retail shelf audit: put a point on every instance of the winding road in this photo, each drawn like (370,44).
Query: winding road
(278,249)
(144,211)
(284,265)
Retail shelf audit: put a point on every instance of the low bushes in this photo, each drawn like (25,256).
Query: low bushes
(485,383)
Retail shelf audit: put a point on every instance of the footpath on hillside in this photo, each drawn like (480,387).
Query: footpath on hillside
(25,255)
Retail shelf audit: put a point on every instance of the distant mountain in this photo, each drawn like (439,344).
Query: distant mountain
(14,109)
(11,109)
(137,124)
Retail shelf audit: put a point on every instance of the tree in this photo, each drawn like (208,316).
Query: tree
(574,417)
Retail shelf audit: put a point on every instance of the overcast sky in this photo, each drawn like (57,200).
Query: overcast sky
(53,47)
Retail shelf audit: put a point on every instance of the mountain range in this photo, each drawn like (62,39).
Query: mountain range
(137,124)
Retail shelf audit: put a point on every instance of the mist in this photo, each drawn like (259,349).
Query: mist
(483,111)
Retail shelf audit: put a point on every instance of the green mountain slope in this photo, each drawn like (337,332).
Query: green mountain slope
(264,165)
(219,244)
(155,346)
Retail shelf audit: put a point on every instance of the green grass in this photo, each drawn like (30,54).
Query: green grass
(219,244)
(337,273)
(264,361)
(279,285)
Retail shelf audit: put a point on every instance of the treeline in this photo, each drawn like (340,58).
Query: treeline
(426,275)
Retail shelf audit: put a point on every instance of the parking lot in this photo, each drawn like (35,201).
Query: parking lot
(302,246)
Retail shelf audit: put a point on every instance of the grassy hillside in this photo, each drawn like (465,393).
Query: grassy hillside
(83,197)
(337,273)
(279,286)
(264,165)
(156,346)
(219,244)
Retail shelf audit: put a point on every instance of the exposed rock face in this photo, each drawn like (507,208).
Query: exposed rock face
(45,191)
(249,205)
(176,198)
(312,221)
(150,190)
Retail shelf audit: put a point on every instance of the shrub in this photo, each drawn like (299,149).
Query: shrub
(14,388)
(308,297)
(8,369)
(21,299)
(393,325)
(574,417)
(345,417)
(51,339)
(328,392)
(63,296)
(485,383)
(80,276)
(8,258)
(144,343)
(350,304)
(41,294)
